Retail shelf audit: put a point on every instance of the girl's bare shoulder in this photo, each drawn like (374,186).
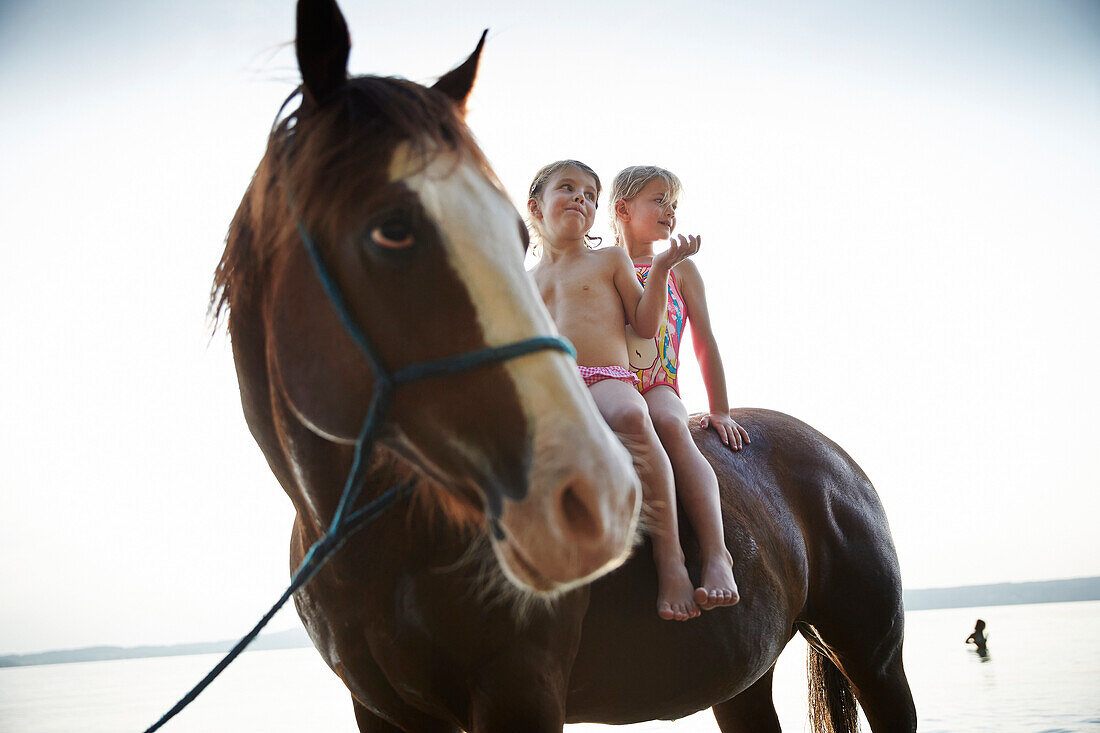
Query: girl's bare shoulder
(542,272)
(612,256)
(688,275)
(687,268)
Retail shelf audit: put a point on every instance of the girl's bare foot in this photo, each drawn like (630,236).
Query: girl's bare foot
(674,593)
(719,588)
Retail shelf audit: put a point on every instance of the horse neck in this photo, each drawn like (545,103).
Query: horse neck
(261,226)
(303,462)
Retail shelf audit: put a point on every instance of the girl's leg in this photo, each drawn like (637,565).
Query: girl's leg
(626,413)
(697,487)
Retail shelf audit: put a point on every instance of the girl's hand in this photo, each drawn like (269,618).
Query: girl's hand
(728,430)
(677,251)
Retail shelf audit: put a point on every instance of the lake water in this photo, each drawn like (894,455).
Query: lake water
(1042,675)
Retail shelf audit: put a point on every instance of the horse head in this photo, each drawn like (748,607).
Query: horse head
(427,252)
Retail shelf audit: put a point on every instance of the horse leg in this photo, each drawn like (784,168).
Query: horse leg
(518,714)
(521,691)
(885,696)
(871,662)
(751,711)
(369,722)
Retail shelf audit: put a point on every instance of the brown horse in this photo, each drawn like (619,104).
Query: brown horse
(415,614)
(420,239)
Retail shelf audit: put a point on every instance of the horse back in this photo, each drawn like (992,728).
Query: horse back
(797,512)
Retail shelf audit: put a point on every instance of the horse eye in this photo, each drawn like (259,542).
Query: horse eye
(394,234)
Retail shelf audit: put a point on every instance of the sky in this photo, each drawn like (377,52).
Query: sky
(898,206)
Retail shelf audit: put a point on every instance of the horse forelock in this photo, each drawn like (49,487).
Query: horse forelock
(322,163)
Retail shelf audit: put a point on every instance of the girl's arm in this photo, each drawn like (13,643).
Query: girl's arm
(644,307)
(653,303)
(710,360)
(626,285)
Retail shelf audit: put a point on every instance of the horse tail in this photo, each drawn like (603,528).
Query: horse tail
(832,703)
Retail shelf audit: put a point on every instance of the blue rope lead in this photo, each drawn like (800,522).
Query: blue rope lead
(346,523)
(481,357)
(315,558)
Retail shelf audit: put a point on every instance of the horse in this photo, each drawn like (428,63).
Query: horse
(384,179)
(432,620)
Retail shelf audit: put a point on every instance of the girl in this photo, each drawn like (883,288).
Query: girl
(643,212)
(592,294)
(978,637)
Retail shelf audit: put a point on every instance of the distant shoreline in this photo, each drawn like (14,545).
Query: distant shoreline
(1004,594)
(925,599)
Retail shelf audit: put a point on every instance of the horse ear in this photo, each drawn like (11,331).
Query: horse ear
(322,44)
(458,82)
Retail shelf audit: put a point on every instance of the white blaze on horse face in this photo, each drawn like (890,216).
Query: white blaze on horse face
(581,510)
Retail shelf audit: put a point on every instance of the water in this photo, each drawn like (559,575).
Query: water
(1042,676)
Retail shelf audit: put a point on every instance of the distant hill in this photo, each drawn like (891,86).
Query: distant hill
(291,639)
(1004,594)
(1000,594)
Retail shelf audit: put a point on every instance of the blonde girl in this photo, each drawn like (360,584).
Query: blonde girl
(643,212)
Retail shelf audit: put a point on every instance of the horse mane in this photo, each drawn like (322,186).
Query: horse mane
(323,161)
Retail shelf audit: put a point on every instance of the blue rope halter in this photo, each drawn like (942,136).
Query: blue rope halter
(346,522)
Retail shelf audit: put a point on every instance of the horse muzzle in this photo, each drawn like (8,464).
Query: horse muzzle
(577,521)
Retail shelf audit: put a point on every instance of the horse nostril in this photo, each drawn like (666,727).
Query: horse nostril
(580,520)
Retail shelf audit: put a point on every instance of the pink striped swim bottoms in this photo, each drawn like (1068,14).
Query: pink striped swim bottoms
(591,375)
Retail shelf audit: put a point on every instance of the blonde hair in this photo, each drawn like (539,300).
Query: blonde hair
(538,185)
(629,183)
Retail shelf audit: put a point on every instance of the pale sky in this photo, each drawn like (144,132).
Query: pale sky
(898,204)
